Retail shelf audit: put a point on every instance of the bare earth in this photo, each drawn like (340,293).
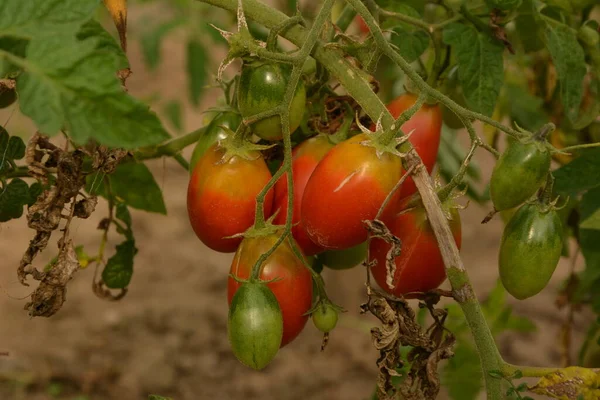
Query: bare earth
(168,335)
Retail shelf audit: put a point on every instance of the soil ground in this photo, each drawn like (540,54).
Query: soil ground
(168,335)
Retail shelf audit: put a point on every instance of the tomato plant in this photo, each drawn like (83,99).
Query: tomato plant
(306,156)
(420,266)
(347,187)
(426,127)
(287,277)
(530,249)
(261,88)
(325,317)
(226,185)
(255,325)
(214,132)
(519,173)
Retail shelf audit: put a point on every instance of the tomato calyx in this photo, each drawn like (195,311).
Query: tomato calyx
(383,141)
(234,145)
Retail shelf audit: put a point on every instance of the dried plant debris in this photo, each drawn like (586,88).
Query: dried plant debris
(63,176)
(400,328)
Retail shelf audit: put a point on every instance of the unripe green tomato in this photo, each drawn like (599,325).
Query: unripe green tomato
(503,5)
(255,325)
(530,250)
(214,132)
(7,97)
(344,259)
(325,318)
(519,173)
(450,118)
(262,87)
(588,36)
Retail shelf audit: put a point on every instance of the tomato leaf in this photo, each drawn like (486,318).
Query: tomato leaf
(197,64)
(400,8)
(588,240)
(134,184)
(480,65)
(580,174)
(569,59)
(151,41)
(71,84)
(173,112)
(524,108)
(528,28)
(119,268)
(104,42)
(462,375)
(45,18)
(11,148)
(13,197)
(574,381)
(410,45)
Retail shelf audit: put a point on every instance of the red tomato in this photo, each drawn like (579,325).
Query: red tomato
(420,266)
(348,186)
(427,123)
(294,288)
(306,156)
(362,25)
(221,197)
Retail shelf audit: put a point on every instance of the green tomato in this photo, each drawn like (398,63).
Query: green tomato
(530,249)
(588,36)
(519,173)
(255,325)
(325,318)
(344,259)
(262,87)
(214,132)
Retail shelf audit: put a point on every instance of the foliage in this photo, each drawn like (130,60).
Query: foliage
(533,63)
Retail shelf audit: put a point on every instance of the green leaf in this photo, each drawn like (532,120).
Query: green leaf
(462,375)
(15,46)
(562,4)
(480,65)
(12,199)
(499,314)
(35,190)
(105,42)
(410,45)
(580,174)
(123,214)
(400,8)
(151,41)
(525,109)
(72,84)
(11,148)
(588,241)
(593,220)
(119,268)
(134,184)
(569,59)
(522,387)
(197,63)
(173,112)
(31,18)
(528,28)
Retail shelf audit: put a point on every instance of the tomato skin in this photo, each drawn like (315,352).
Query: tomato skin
(325,318)
(262,87)
(221,197)
(427,125)
(214,132)
(346,258)
(518,174)
(305,158)
(255,325)
(348,186)
(293,291)
(362,25)
(530,250)
(420,266)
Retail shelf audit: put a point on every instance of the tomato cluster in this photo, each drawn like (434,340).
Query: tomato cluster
(340,180)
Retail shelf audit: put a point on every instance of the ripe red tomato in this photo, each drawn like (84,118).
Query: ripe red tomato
(362,25)
(306,156)
(427,123)
(294,288)
(221,196)
(347,187)
(420,266)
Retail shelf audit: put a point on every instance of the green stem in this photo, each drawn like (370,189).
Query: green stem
(580,146)
(171,147)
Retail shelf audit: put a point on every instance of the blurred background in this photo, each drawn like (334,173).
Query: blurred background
(168,335)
